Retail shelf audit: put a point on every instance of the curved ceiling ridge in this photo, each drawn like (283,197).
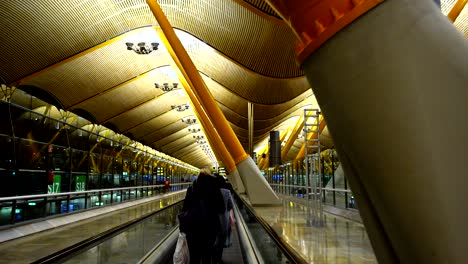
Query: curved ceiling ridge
(254,41)
(262,8)
(234,60)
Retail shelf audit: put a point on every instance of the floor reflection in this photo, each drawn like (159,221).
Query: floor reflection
(337,241)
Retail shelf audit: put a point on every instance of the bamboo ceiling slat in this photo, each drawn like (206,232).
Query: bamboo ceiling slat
(48,31)
(169,129)
(169,138)
(182,141)
(118,101)
(136,118)
(257,88)
(160,121)
(96,72)
(262,6)
(250,39)
(447,5)
(56,30)
(462,21)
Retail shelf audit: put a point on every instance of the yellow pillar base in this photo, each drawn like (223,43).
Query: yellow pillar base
(236,182)
(257,188)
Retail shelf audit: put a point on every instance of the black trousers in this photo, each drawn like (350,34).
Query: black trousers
(202,249)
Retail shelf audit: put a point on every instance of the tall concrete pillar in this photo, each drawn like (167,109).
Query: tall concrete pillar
(391,79)
(393,86)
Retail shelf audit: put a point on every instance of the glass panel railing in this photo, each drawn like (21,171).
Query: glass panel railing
(336,197)
(18,209)
(133,242)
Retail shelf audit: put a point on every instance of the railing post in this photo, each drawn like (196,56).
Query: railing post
(13,212)
(68,203)
(86,201)
(44,212)
(346,193)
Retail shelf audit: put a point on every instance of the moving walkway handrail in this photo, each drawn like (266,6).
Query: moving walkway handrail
(303,186)
(250,250)
(160,250)
(95,240)
(248,245)
(38,196)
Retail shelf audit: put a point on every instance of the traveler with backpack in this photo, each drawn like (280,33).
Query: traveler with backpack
(221,240)
(199,219)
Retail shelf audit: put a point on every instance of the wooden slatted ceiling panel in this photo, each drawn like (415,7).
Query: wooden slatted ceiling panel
(185,139)
(186,150)
(447,5)
(47,31)
(136,118)
(462,21)
(118,100)
(158,122)
(97,71)
(247,84)
(228,99)
(169,138)
(198,158)
(262,6)
(258,43)
(160,133)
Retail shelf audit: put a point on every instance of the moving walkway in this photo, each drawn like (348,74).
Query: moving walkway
(152,239)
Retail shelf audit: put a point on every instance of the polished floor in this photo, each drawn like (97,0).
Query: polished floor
(31,248)
(338,240)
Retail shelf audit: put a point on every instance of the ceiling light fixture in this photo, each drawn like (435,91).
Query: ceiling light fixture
(166,87)
(142,47)
(194,130)
(180,108)
(189,120)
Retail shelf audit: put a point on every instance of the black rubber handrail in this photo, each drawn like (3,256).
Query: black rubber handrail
(97,239)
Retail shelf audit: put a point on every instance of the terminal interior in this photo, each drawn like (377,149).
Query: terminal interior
(340,124)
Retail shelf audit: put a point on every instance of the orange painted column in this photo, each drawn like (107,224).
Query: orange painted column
(314,22)
(213,137)
(294,134)
(201,91)
(256,187)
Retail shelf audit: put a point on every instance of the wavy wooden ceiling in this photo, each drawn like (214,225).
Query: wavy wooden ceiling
(75,50)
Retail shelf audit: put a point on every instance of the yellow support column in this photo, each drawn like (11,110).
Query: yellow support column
(456,10)
(212,135)
(292,137)
(257,188)
(314,135)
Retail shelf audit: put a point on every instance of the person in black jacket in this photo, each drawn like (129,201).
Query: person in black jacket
(203,203)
